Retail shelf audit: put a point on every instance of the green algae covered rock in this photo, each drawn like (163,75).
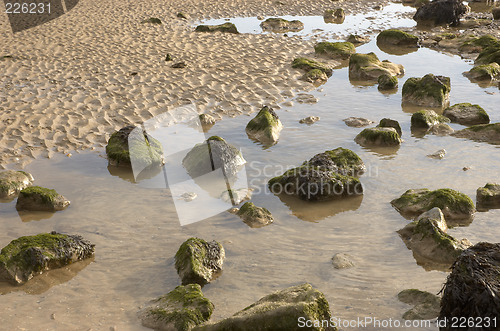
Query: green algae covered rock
(489,133)
(425,119)
(334,16)
(453,204)
(488,197)
(396,37)
(369,67)
(467,114)
(426,305)
(278,24)
(25,257)
(152,20)
(265,127)
(490,54)
(335,50)
(428,91)
(181,309)
(388,123)
(309,64)
(315,76)
(38,198)
(379,136)
(12,182)
(477,44)
(484,72)
(226,27)
(197,261)
(387,82)
(281,310)
(357,39)
(255,217)
(341,160)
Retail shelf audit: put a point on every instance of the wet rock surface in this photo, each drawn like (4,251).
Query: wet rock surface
(489,133)
(488,197)
(441,12)
(277,24)
(255,217)
(12,182)
(428,91)
(378,137)
(369,67)
(426,305)
(426,119)
(467,114)
(265,127)
(342,261)
(389,123)
(357,122)
(38,198)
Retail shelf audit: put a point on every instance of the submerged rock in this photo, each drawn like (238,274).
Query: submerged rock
(438,154)
(197,261)
(426,236)
(484,72)
(489,133)
(428,91)
(38,198)
(255,217)
(342,261)
(181,309)
(381,137)
(488,197)
(335,50)
(226,27)
(453,204)
(387,82)
(440,12)
(388,123)
(369,67)
(334,16)
(28,256)
(357,39)
(477,44)
(425,119)
(315,76)
(281,310)
(265,127)
(490,54)
(426,305)
(357,122)
(467,114)
(277,24)
(309,120)
(309,64)
(12,182)
(472,290)
(395,37)
(441,129)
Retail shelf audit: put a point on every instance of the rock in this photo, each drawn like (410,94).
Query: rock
(309,64)
(181,15)
(357,122)
(12,182)
(488,197)
(132,144)
(490,54)
(467,114)
(388,123)
(309,120)
(152,20)
(281,25)
(197,261)
(179,65)
(334,16)
(441,129)
(453,204)
(395,37)
(38,198)
(281,310)
(369,67)
(440,12)
(255,217)
(472,290)
(387,82)
(265,127)
(380,137)
(484,72)
(315,76)
(306,98)
(342,261)
(426,305)
(188,196)
(207,120)
(323,177)
(226,27)
(260,17)
(428,91)
(28,256)
(425,119)
(476,44)
(213,154)
(437,155)
(496,13)
(489,133)
(426,236)
(169,57)
(235,197)
(335,50)
(357,39)
(181,309)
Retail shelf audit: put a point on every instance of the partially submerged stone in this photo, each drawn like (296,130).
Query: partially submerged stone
(255,217)
(379,137)
(207,120)
(357,39)
(281,310)
(440,129)
(36,198)
(440,12)
(309,120)
(357,122)
(453,204)
(490,54)
(438,154)
(428,91)
(335,50)
(181,309)
(278,24)
(426,236)
(488,197)
(265,127)
(334,16)
(197,261)
(309,64)
(467,114)
(489,133)
(482,72)
(387,82)
(395,37)
(425,119)
(472,290)
(342,261)
(12,182)
(226,27)
(25,257)
(426,305)
(369,67)
(477,44)
(388,123)
(315,76)
(152,20)
(236,196)
(341,160)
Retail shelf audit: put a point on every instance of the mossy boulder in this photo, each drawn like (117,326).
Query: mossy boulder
(387,82)
(25,257)
(340,160)
(334,16)
(488,197)
(335,50)
(255,217)
(265,127)
(395,37)
(12,182)
(453,204)
(281,310)
(198,261)
(428,91)
(426,236)
(378,137)
(467,114)
(226,28)
(181,309)
(133,145)
(278,24)
(388,123)
(36,198)
(490,54)
(309,64)
(369,67)
(425,119)
(484,72)
(315,76)
(152,20)
(489,133)
(477,44)
(472,289)
(426,305)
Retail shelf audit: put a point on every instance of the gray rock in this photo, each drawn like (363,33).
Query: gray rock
(255,217)
(309,120)
(281,25)
(38,198)
(334,16)
(207,120)
(488,197)
(438,154)
(357,122)
(342,261)
(489,133)
(369,67)
(440,12)
(12,182)
(426,305)
(306,98)
(467,114)
(441,129)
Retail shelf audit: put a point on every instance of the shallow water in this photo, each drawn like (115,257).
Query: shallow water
(136,230)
